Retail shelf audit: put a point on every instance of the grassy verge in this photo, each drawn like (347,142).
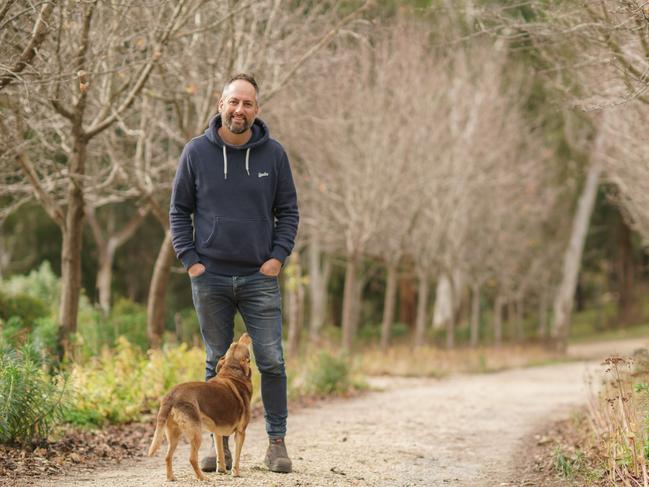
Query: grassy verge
(403,360)
(607,444)
(124,384)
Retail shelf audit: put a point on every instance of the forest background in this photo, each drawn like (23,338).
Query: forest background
(472,176)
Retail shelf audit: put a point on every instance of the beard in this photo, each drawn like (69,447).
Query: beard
(236,128)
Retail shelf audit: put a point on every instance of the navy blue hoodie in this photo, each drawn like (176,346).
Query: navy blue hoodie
(243,200)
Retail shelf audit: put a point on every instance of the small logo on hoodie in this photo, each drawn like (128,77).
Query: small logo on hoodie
(262,174)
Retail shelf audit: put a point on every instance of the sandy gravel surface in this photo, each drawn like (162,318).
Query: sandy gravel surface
(461,431)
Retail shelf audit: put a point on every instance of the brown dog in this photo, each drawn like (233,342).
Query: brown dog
(220,405)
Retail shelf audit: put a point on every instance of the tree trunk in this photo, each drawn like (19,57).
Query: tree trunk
(475,315)
(294,291)
(564,297)
(348,306)
(105,276)
(107,247)
(450,321)
(422,306)
(498,320)
(443,310)
(319,272)
(407,301)
(447,302)
(5,255)
(518,319)
(543,313)
(71,251)
(357,303)
(158,292)
(389,303)
(180,332)
(625,274)
(450,332)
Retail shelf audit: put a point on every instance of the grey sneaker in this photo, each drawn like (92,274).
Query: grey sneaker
(277,459)
(208,463)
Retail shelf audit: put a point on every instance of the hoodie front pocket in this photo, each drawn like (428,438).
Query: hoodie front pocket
(239,240)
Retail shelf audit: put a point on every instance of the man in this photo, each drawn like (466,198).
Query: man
(236,182)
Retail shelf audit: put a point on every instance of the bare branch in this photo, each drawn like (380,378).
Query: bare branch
(38,36)
(316,47)
(49,205)
(144,74)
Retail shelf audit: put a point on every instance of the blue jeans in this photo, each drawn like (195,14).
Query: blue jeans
(256,297)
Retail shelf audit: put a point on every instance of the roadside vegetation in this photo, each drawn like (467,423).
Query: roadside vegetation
(112,377)
(607,443)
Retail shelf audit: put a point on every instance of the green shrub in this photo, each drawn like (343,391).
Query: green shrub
(31,402)
(96,331)
(328,375)
(120,384)
(128,319)
(190,329)
(13,332)
(41,284)
(24,306)
(44,336)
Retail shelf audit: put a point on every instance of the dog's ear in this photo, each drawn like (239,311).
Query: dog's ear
(245,366)
(245,340)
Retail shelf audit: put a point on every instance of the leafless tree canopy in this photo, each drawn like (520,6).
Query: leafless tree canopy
(414,148)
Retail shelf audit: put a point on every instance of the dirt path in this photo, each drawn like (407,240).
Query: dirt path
(461,431)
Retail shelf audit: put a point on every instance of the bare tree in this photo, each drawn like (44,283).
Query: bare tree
(108,239)
(355,173)
(564,297)
(91,80)
(627,163)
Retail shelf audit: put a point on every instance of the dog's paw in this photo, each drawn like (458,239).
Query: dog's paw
(235,472)
(171,479)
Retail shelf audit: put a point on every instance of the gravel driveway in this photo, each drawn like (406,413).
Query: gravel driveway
(460,431)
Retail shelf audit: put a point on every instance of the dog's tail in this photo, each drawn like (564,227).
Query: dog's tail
(163,414)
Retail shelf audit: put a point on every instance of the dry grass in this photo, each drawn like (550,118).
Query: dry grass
(618,418)
(403,360)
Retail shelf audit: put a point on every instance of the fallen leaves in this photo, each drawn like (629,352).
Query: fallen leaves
(76,449)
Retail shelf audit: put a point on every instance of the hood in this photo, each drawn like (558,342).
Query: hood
(260,134)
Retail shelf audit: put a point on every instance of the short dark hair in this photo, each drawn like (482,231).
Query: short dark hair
(246,77)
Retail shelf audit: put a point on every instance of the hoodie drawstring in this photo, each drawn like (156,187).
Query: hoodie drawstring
(225,162)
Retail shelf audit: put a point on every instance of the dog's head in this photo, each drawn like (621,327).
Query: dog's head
(237,357)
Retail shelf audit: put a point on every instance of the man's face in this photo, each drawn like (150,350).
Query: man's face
(238,106)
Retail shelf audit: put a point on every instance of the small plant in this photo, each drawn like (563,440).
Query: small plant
(562,463)
(329,375)
(568,465)
(31,402)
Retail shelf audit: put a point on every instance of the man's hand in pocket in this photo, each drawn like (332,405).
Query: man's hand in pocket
(196,270)
(271,268)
